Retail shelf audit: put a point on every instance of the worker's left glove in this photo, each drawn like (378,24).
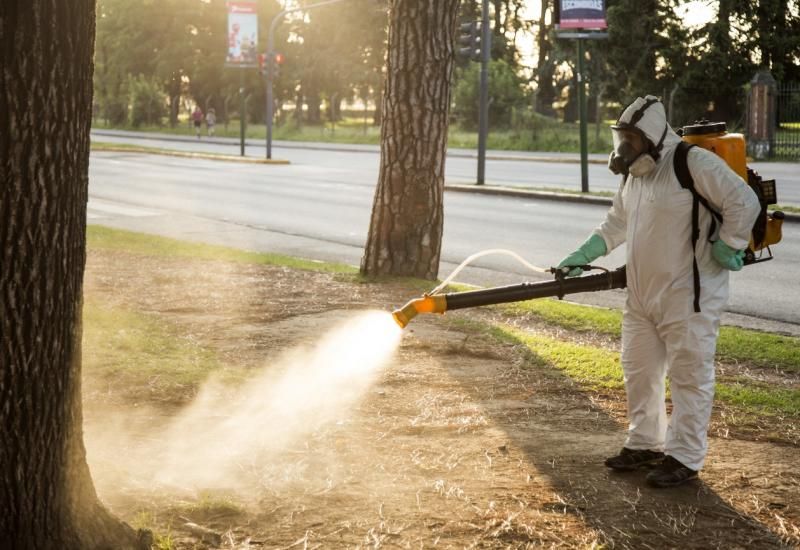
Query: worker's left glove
(589,251)
(727,257)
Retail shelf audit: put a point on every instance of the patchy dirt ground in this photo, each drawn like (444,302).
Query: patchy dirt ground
(460,442)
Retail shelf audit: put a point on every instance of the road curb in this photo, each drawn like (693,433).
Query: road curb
(565,160)
(528,194)
(187,154)
(550,196)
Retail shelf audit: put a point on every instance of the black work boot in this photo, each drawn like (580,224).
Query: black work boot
(629,459)
(670,473)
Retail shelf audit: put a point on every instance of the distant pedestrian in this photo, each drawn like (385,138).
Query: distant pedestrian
(197,118)
(211,121)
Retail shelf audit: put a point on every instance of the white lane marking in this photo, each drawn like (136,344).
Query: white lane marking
(98,208)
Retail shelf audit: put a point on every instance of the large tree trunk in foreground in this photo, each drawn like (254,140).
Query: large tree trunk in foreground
(47,499)
(405,233)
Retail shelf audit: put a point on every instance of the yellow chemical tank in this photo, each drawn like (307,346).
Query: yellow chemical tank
(731,147)
(714,137)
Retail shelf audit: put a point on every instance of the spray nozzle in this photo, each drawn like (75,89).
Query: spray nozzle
(433,302)
(429,303)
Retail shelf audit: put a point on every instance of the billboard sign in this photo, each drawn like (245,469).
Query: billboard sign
(242,34)
(581,14)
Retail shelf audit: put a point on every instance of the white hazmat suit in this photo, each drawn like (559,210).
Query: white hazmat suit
(661,332)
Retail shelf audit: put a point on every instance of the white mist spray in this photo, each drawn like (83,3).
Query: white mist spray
(222,437)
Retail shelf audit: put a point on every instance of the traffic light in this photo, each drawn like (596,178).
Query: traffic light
(469,41)
(262,64)
(276,61)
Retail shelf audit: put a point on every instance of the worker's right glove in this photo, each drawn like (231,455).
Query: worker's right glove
(727,257)
(589,251)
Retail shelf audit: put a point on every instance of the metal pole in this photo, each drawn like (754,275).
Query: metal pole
(583,116)
(242,111)
(483,112)
(269,115)
(271,54)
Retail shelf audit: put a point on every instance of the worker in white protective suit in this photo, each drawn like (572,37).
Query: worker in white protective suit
(663,334)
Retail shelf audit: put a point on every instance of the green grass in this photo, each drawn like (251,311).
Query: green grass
(736,345)
(100,145)
(134,350)
(106,238)
(134,148)
(590,366)
(596,368)
(128,147)
(759,348)
(571,316)
(141,355)
(785,208)
(761,399)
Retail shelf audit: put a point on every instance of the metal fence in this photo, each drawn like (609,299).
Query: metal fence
(786,141)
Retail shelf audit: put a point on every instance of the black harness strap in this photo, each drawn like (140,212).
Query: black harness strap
(681,167)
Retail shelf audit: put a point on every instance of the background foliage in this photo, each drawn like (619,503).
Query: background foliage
(155,59)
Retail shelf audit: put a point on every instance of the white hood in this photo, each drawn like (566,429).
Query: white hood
(653,121)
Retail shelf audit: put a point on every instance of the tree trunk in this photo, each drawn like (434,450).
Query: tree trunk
(598,111)
(174,91)
(314,113)
(47,499)
(405,233)
(545,68)
(377,117)
(298,110)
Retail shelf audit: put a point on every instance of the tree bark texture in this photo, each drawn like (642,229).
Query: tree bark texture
(47,499)
(405,231)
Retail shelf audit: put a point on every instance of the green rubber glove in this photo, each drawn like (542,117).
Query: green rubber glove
(589,251)
(727,257)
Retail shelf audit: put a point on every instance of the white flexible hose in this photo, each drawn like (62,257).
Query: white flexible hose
(477,255)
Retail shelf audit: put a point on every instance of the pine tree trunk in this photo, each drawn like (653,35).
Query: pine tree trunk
(405,232)
(377,116)
(47,499)
(314,112)
(545,68)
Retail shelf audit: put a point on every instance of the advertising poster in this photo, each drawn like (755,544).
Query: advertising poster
(242,34)
(581,14)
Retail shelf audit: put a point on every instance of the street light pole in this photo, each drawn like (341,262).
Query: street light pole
(271,57)
(242,111)
(483,112)
(583,115)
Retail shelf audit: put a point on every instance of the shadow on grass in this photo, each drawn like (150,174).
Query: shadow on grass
(566,436)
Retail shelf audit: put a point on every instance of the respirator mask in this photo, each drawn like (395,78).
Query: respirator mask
(628,158)
(633,152)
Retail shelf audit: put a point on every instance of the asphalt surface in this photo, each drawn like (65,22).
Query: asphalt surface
(318,207)
(504,168)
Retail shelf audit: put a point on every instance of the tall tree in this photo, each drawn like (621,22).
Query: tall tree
(546,66)
(405,233)
(710,82)
(47,499)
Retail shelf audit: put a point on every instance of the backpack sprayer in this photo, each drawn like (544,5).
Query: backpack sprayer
(767,229)
(711,136)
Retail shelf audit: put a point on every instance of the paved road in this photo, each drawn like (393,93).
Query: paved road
(524,171)
(321,210)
